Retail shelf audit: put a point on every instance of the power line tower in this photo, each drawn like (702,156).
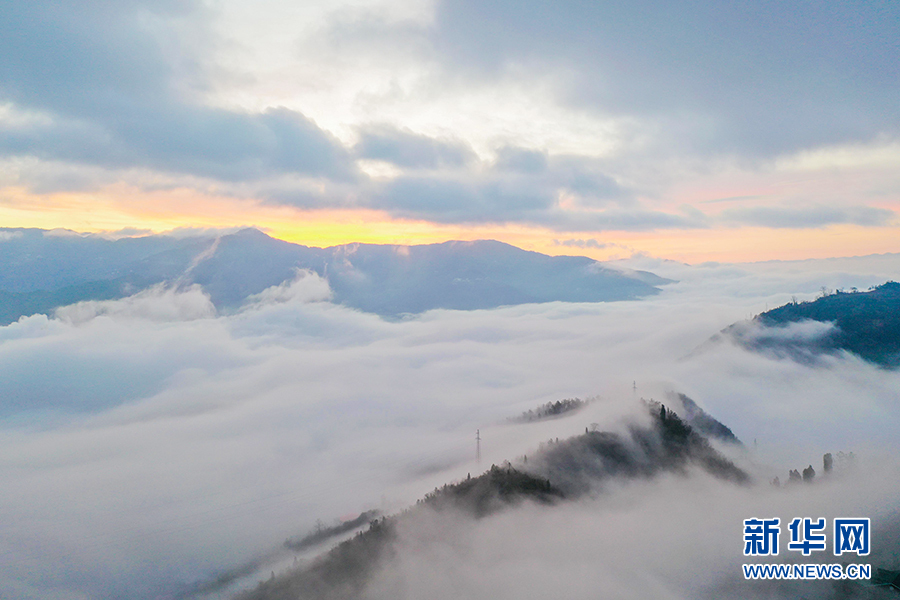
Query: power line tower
(634,389)
(478,445)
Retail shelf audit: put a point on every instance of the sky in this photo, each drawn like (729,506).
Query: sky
(149,443)
(694,131)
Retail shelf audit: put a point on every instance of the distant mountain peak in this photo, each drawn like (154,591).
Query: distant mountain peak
(252,232)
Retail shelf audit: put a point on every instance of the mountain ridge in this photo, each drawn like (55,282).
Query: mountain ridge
(561,471)
(866,324)
(42,270)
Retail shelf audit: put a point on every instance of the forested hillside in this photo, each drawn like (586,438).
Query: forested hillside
(562,470)
(866,323)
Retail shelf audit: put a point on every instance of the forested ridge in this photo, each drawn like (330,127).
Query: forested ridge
(866,323)
(561,470)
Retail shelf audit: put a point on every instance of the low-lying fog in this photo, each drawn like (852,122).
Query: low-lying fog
(147,444)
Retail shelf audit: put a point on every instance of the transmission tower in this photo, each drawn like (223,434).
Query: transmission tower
(478,445)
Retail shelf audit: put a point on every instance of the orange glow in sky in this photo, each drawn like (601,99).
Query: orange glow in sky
(118,208)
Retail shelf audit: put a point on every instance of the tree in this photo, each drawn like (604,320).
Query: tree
(809,474)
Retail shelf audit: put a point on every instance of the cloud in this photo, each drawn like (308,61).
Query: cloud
(809,217)
(157,303)
(452,200)
(521,159)
(202,232)
(307,286)
(633,219)
(563,198)
(761,80)
(183,139)
(566,193)
(589,243)
(408,149)
(114,97)
(793,333)
(125,232)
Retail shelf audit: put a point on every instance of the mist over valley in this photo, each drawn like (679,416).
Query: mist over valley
(160,445)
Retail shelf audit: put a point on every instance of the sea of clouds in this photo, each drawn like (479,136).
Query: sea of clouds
(148,443)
